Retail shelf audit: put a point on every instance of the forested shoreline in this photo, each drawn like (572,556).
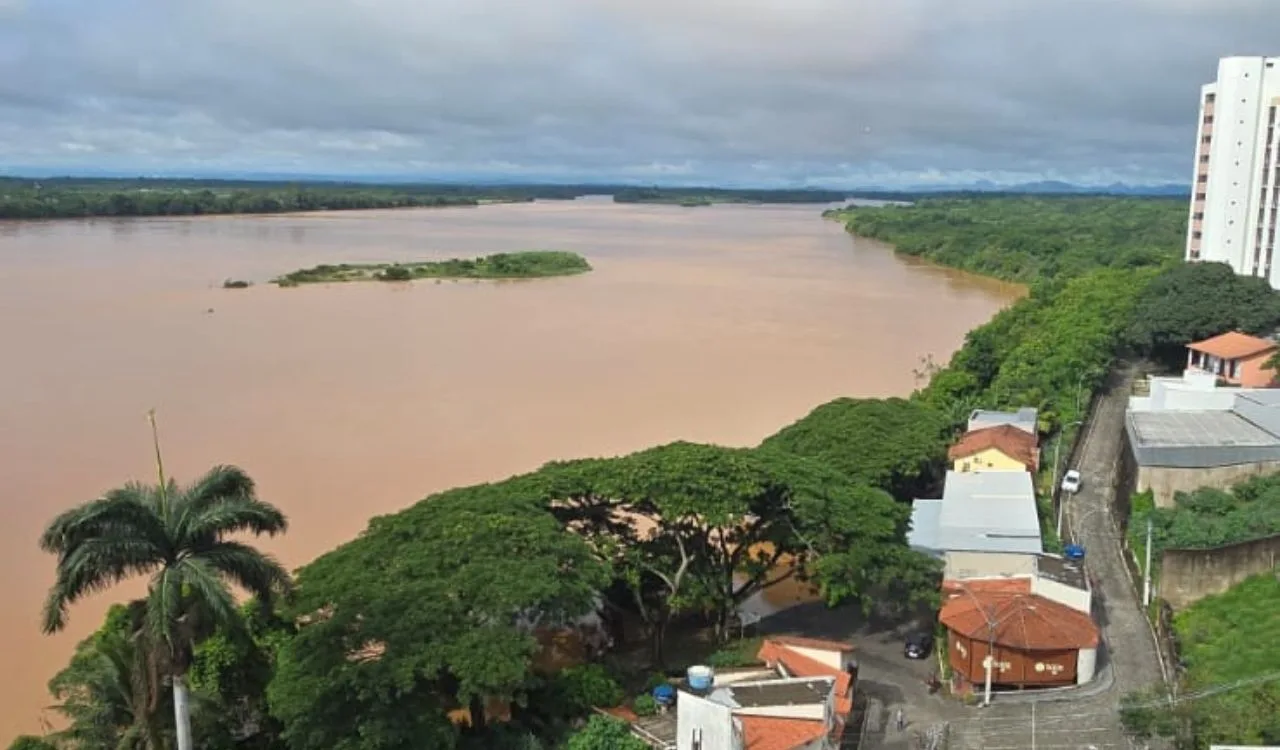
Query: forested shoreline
(392,639)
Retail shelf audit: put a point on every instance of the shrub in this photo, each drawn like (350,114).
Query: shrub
(396,273)
(235,284)
(645,705)
(586,687)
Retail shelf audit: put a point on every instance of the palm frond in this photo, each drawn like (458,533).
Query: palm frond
(164,607)
(126,511)
(220,517)
(256,572)
(214,486)
(206,590)
(92,565)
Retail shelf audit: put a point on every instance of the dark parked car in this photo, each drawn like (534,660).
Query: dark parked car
(918,646)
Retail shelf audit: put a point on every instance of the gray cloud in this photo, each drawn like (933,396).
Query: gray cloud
(763,91)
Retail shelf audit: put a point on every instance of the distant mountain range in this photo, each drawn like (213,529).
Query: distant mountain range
(1045,187)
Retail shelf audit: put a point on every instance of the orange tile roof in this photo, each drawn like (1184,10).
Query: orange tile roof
(1233,345)
(774,652)
(1022,621)
(770,733)
(991,585)
(1017,444)
(816,643)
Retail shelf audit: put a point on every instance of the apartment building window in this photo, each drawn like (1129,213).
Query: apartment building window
(1205,139)
(1208,98)
(1204,158)
(1208,119)
(1196,235)
(1202,179)
(1198,216)
(1199,196)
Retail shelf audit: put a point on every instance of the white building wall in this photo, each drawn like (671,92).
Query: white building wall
(962,565)
(1235,196)
(1086,665)
(714,721)
(1077,599)
(839,660)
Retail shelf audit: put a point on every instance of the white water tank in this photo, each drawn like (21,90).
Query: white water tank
(701,678)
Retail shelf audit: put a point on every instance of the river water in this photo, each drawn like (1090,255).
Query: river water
(347,401)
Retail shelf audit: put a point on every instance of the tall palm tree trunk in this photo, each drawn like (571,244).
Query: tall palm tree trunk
(182,712)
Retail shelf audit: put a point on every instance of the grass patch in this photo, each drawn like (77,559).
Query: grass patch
(524,265)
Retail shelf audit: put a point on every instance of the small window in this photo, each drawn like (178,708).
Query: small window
(1196,235)
(1199,196)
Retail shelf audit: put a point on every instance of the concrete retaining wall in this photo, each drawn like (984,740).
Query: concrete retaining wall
(1189,575)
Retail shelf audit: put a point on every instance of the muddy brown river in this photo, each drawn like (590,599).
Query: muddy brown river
(347,401)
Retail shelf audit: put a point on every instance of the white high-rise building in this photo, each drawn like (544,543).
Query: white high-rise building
(1233,199)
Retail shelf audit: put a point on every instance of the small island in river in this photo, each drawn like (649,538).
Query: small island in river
(531,264)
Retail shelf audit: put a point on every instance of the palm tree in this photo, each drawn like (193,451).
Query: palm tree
(177,536)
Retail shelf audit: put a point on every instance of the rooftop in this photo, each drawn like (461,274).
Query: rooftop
(988,511)
(1023,419)
(801,691)
(1026,622)
(771,733)
(1014,442)
(1232,345)
(1196,429)
(1064,571)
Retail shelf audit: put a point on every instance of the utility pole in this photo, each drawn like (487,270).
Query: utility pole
(1146,572)
(1033,725)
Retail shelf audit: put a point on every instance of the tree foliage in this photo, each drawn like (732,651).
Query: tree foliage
(1193,301)
(1209,517)
(605,733)
(693,528)
(1030,239)
(897,445)
(431,609)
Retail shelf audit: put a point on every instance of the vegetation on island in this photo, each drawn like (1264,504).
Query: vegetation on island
(704,196)
(236,284)
(522,265)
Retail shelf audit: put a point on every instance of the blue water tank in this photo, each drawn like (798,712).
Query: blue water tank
(1074,552)
(664,694)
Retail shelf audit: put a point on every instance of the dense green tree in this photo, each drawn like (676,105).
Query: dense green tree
(31,742)
(697,529)
(430,610)
(1193,301)
(1030,239)
(110,693)
(605,733)
(897,445)
(230,672)
(179,537)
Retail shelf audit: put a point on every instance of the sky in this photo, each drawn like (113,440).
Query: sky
(836,93)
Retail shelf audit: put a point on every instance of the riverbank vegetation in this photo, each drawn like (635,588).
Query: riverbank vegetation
(65,197)
(530,264)
(1029,239)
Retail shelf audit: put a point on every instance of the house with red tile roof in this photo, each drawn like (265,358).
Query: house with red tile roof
(799,699)
(1235,358)
(1000,448)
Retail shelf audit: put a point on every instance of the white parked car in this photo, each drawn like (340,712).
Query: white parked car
(1071,482)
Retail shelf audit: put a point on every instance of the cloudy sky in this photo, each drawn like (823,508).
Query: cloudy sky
(824,92)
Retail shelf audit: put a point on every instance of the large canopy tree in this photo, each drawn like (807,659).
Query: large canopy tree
(693,528)
(179,536)
(430,610)
(1193,301)
(897,445)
